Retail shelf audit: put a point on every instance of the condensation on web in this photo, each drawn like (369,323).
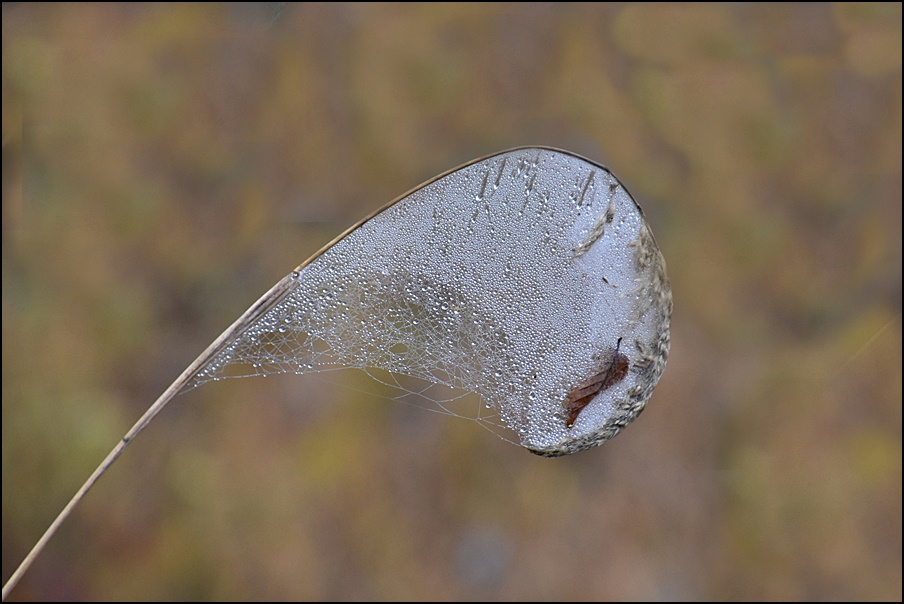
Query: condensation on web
(477,282)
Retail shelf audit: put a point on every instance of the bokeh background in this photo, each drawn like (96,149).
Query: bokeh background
(164,165)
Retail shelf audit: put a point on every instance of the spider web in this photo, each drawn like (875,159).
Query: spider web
(508,278)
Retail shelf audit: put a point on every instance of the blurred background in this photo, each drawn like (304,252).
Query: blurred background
(164,165)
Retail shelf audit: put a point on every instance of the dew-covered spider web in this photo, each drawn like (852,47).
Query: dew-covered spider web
(518,277)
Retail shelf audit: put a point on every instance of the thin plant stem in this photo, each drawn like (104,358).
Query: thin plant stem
(265,303)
